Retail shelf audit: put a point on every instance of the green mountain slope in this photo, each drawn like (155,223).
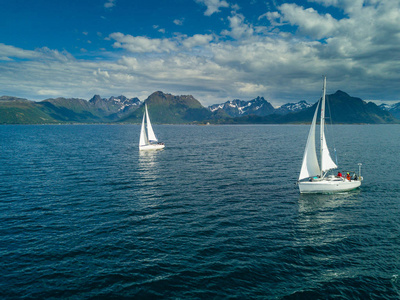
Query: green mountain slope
(169,109)
(65,110)
(21,111)
(70,110)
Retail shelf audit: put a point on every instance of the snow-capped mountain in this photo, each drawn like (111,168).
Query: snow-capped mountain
(258,106)
(237,108)
(394,109)
(292,107)
(115,104)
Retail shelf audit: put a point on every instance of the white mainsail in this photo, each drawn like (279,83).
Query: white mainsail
(143,136)
(150,133)
(310,166)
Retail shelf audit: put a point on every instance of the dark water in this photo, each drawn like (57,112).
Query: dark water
(216,215)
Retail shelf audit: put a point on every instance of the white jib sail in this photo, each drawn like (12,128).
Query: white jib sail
(310,166)
(326,160)
(143,136)
(150,132)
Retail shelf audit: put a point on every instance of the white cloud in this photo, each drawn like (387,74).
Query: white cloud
(162,30)
(197,40)
(250,88)
(178,22)
(239,28)
(348,6)
(101,73)
(141,44)
(8,53)
(49,93)
(110,3)
(213,6)
(309,21)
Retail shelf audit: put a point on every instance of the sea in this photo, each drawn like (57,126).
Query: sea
(217,214)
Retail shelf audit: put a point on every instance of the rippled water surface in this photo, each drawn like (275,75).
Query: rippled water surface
(216,214)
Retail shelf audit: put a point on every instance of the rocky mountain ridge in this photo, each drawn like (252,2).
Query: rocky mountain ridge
(258,107)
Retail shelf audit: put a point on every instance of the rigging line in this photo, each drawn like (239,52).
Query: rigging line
(331,134)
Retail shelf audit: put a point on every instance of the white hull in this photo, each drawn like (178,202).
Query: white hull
(151,147)
(326,186)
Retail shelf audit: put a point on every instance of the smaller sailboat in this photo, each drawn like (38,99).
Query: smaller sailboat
(148,140)
(313,178)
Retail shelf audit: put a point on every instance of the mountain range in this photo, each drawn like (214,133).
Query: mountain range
(60,110)
(341,109)
(258,107)
(169,109)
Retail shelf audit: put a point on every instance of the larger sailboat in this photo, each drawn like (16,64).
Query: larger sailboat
(313,178)
(148,140)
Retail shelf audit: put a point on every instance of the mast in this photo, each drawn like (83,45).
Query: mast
(322,124)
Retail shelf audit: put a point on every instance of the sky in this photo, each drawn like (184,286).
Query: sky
(215,50)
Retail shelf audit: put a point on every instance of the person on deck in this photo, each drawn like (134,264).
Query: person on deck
(339,174)
(348,176)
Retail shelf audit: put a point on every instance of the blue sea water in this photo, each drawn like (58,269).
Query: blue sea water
(217,214)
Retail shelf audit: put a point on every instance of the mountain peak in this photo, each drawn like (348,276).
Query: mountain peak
(235,108)
(170,109)
(394,109)
(340,93)
(159,94)
(11,98)
(168,99)
(292,107)
(95,98)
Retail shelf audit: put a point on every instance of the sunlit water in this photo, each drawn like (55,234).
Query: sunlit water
(217,214)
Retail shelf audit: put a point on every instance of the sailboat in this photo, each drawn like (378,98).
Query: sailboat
(313,175)
(148,140)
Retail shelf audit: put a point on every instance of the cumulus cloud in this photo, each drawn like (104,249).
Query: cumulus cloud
(239,29)
(283,63)
(101,73)
(213,6)
(141,44)
(250,88)
(255,63)
(197,40)
(309,21)
(9,53)
(348,6)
